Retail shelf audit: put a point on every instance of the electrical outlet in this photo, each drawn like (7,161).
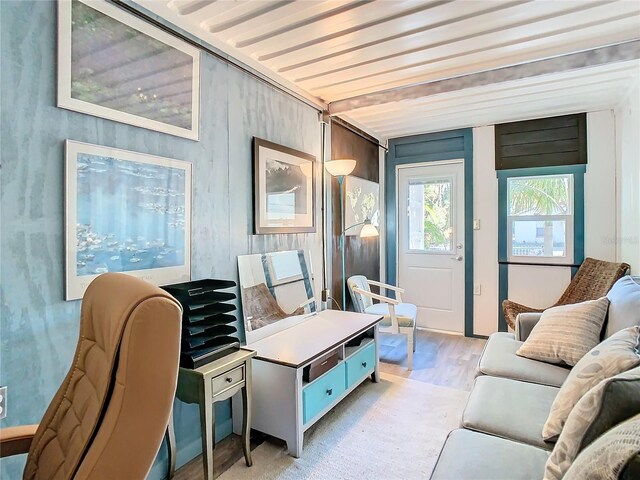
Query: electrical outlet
(325,295)
(3,402)
(477,289)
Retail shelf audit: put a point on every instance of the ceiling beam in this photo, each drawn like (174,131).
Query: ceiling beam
(620,52)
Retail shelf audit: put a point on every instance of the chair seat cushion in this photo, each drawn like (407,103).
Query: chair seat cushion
(405,313)
(509,409)
(468,455)
(499,359)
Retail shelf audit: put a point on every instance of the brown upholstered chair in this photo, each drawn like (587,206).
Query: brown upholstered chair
(593,280)
(109,416)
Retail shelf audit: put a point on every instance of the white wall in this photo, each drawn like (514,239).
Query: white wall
(541,286)
(627,121)
(485,240)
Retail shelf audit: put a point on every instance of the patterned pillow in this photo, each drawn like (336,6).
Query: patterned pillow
(610,402)
(606,457)
(616,354)
(565,333)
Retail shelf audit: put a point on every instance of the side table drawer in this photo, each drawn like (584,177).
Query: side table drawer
(227,380)
(361,364)
(323,391)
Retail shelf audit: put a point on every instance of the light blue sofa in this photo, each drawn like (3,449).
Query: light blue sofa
(501,428)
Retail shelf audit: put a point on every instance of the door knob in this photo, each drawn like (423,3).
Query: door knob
(458,258)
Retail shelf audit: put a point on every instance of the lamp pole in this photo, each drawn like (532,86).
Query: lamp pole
(344,280)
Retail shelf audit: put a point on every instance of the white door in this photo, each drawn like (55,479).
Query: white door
(431,242)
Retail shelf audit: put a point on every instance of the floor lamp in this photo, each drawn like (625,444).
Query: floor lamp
(340,169)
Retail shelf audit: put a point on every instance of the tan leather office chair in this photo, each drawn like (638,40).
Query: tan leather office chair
(109,416)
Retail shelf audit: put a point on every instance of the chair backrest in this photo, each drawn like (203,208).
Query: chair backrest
(360,302)
(109,416)
(593,280)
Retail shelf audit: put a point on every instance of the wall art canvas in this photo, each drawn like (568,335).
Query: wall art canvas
(114,65)
(125,212)
(284,189)
(362,202)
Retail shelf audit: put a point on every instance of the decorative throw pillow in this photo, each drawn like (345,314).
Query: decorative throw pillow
(606,457)
(565,333)
(612,401)
(616,354)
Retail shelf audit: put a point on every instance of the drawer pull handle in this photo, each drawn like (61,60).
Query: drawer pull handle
(364,364)
(329,391)
(229,379)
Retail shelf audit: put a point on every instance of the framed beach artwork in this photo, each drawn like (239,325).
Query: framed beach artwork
(125,212)
(362,202)
(284,189)
(114,65)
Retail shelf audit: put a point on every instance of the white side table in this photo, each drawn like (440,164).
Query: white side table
(214,382)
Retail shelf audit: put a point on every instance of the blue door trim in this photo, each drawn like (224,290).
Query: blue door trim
(432,147)
(578,172)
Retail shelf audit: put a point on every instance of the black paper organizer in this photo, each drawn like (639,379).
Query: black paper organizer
(206,331)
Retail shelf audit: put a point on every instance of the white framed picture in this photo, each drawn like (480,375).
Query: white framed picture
(116,66)
(362,202)
(125,212)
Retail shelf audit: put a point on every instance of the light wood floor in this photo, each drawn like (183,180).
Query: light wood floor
(439,359)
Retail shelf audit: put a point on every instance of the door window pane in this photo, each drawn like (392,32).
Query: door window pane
(430,215)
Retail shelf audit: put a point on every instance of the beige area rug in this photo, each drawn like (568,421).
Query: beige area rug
(390,430)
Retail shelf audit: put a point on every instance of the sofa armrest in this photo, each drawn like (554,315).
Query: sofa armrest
(525,323)
(16,440)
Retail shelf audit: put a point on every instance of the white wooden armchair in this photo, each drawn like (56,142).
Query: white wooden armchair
(399,318)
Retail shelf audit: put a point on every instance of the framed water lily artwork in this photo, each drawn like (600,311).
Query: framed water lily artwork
(114,65)
(284,189)
(125,212)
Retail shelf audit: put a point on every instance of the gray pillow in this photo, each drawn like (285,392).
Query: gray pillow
(566,333)
(614,355)
(609,455)
(624,307)
(612,401)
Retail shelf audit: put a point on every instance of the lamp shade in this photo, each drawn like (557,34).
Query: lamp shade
(368,230)
(339,168)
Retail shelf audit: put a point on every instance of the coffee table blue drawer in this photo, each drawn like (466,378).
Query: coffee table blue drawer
(361,364)
(323,391)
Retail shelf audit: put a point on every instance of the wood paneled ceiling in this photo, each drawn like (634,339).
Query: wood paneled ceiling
(335,49)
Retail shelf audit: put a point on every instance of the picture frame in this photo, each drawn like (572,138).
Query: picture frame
(125,212)
(116,66)
(362,201)
(284,189)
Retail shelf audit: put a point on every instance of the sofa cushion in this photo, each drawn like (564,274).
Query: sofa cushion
(624,305)
(566,333)
(499,359)
(468,455)
(509,409)
(616,354)
(612,401)
(608,455)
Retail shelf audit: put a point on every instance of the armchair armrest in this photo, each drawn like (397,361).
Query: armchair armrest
(392,301)
(16,440)
(385,285)
(525,323)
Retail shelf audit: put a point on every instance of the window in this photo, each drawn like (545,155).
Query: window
(540,218)
(431,215)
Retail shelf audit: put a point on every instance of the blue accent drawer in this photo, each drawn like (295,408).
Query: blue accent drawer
(361,364)
(323,391)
